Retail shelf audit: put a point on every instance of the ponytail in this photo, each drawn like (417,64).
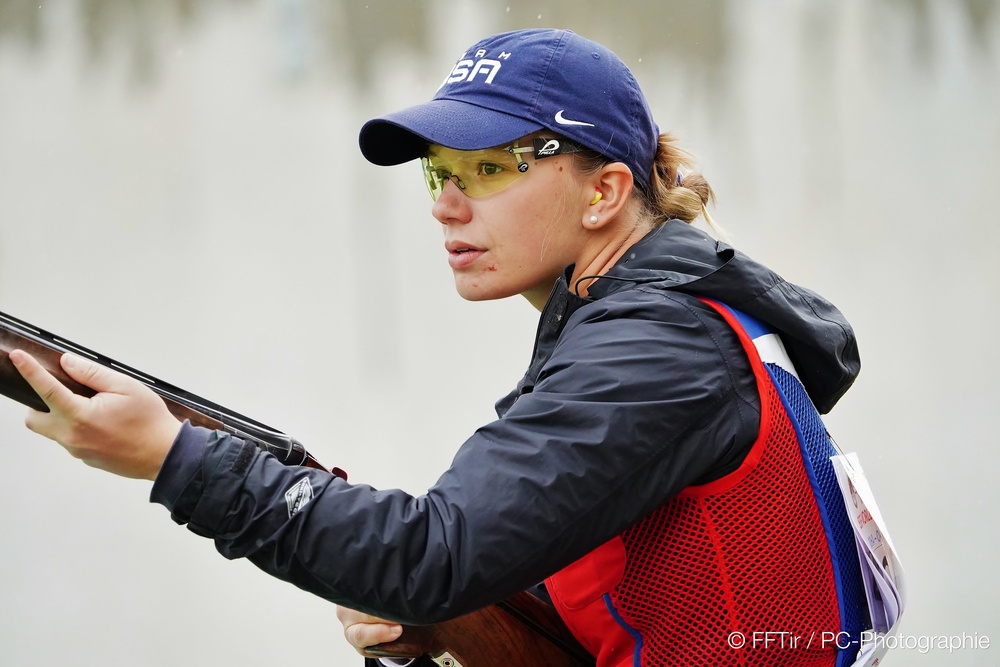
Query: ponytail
(677,192)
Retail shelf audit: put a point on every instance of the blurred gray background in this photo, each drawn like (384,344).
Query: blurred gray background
(181,189)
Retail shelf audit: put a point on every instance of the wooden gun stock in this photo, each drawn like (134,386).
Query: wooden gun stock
(522,631)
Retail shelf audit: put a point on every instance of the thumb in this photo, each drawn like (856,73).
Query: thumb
(364,635)
(94,375)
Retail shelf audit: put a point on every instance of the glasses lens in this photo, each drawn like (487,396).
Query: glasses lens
(477,173)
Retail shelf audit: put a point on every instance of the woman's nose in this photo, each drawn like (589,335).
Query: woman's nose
(452,205)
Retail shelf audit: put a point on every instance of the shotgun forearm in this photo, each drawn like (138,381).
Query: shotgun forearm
(16,334)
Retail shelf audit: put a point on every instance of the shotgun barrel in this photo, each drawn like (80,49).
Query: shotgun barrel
(47,348)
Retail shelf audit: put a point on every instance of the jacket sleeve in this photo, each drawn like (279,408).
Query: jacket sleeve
(640,398)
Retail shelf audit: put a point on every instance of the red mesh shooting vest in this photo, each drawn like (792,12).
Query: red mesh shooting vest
(758,568)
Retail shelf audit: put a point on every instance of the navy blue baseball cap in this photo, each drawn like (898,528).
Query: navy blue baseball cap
(513,84)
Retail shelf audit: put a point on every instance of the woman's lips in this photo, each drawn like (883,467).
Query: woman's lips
(461,255)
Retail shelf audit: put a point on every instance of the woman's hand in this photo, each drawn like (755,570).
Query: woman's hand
(363,630)
(125,428)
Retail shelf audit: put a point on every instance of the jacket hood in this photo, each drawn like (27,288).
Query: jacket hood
(818,338)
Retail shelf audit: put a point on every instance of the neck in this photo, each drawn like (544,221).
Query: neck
(538,297)
(597,258)
(605,256)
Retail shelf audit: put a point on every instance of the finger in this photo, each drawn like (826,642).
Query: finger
(53,392)
(363,635)
(42,423)
(94,375)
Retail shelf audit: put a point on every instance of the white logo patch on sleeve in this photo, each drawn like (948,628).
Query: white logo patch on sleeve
(298,496)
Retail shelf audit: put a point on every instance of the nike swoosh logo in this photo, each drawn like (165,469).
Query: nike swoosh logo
(567,121)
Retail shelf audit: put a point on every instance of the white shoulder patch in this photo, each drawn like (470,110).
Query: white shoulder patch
(772,350)
(298,496)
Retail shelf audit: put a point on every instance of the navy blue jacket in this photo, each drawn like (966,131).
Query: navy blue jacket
(633,393)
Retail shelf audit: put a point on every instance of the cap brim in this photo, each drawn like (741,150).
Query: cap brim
(403,135)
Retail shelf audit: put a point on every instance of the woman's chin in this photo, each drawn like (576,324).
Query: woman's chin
(475,291)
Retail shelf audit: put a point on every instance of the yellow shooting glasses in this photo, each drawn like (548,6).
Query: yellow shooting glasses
(482,172)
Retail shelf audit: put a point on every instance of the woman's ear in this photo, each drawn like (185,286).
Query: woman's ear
(612,187)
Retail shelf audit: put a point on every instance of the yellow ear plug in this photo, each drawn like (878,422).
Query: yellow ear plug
(597,198)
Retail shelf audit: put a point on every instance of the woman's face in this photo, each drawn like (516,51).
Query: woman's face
(518,239)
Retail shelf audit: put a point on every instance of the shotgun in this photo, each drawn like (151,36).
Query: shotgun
(47,348)
(521,631)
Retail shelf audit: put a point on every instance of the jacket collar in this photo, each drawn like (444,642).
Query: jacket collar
(677,256)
